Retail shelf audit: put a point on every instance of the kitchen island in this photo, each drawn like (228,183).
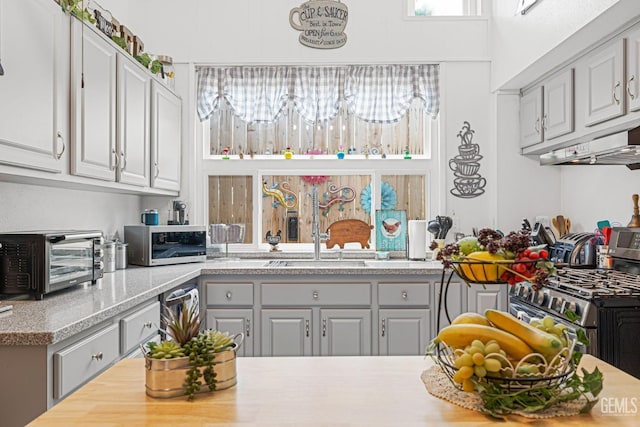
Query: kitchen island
(313,391)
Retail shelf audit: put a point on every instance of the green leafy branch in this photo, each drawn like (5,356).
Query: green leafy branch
(74,7)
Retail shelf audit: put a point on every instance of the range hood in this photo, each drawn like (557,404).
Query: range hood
(621,148)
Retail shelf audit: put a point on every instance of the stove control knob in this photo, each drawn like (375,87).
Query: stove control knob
(526,291)
(556,304)
(537,297)
(569,306)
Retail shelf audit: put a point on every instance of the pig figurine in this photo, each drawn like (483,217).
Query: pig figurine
(349,230)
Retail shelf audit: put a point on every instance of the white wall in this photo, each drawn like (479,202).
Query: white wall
(250,31)
(254,31)
(518,41)
(34,207)
(593,193)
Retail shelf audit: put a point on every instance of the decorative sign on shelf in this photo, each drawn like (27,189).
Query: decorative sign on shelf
(391,230)
(321,23)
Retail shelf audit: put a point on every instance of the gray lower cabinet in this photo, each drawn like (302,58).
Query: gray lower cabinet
(229,308)
(286,332)
(138,327)
(404,318)
(403,332)
(77,363)
(42,375)
(491,296)
(345,332)
(455,302)
(234,321)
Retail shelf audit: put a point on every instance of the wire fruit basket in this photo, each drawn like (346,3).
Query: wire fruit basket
(533,370)
(485,272)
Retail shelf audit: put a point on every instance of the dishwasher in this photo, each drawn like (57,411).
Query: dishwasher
(180,298)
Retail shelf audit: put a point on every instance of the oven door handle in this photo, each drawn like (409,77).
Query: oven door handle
(82,236)
(180,297)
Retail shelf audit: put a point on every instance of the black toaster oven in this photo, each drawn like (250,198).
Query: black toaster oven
(37,263)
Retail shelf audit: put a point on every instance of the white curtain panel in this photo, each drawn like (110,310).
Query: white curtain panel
(316,92)
(257,94)
(374,93)
(208,95)
(383,93)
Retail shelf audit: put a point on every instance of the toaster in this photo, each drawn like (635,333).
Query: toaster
(576,250)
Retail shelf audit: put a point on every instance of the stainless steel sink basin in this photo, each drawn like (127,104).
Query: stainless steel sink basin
(321,263)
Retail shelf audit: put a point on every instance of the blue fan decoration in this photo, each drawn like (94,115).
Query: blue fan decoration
(389,198)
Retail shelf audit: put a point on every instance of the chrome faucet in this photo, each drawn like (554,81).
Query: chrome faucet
(315,226)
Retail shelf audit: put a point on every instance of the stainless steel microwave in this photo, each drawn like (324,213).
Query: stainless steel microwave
(151,245)
(40,262)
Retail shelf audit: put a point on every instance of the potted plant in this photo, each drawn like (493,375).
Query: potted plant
(192,361)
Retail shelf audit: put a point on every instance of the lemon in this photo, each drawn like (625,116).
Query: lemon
(477,271)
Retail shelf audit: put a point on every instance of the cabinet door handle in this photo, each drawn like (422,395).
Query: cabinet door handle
(59,136)
(1,70)
(97,356)
(315,295)
(384,326)
(405,295)
(115,159)
(248,328)
(148,325)
(229,295)
(123,161)
(155,164)
(306,327)
(615,98)
(631,95)
(537,125)
(544,122)
(324,327)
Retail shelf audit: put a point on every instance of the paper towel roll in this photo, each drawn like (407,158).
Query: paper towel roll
(417,239)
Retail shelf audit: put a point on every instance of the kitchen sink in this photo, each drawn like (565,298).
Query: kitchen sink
(320,263)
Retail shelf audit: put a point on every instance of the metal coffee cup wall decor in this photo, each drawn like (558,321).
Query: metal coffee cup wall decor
(321,23)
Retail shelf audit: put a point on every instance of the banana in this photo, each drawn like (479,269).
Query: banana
(542,342)
(471,317)
(463,334)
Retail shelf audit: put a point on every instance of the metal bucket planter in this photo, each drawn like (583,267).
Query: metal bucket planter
(165,378)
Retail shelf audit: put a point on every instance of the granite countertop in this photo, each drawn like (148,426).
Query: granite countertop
(68,312)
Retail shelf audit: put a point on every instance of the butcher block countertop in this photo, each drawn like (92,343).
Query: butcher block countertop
(313,391)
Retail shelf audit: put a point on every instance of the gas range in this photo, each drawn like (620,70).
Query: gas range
(580,291)
(606,302)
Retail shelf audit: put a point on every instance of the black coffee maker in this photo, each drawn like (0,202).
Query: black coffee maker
(178,213)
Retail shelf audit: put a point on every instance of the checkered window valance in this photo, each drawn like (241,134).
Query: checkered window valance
(374,93)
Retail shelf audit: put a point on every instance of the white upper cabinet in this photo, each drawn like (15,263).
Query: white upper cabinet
(93,104)
(134,100)
(546,111)
(166,117)
(633,71)
(531,117)
(604,72)
(557,119)
(33,90)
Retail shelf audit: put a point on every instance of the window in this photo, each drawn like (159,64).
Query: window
(378,110)
(361,134)
(444,7)
(283,205)
(232,137)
